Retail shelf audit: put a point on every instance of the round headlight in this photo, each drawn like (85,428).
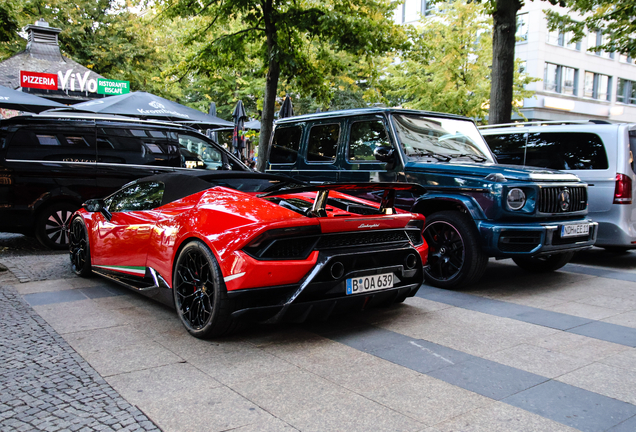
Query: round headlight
(516,199)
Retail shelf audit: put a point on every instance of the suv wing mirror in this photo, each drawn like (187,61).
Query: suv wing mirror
(97,205)
(384,154)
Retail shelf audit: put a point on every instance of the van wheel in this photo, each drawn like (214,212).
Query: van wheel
(544,263)
(53,224)
(454,254)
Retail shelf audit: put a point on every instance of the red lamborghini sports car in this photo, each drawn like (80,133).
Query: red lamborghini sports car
(226,247)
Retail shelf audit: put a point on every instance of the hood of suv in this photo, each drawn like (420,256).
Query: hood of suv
(509,172)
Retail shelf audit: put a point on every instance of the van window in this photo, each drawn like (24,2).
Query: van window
(323,143)
(285,145)
(74,146)
(137,147)
(211,156)
(508,149)
(566,151)
(364,138)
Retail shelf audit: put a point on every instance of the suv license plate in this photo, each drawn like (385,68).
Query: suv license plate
(369,283)
(575,230)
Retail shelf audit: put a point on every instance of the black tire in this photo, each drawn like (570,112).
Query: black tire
(454,254)
(544,263)
(200,296)
(52,225)
(79,248)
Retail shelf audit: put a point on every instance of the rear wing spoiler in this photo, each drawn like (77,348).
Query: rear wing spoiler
(387,205)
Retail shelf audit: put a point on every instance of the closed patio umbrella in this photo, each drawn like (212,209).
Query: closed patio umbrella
(286,110)
(238,136)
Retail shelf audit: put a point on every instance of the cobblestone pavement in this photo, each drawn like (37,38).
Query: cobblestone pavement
(29,261)
(46,385)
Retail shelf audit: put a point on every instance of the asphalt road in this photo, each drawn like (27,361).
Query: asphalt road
(518,352)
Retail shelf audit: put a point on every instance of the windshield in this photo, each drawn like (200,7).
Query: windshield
(440,139)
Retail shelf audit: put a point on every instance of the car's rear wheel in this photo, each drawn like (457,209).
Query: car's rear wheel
(454,254)
(200,296)
(52,225)
(79,248)
(544,263)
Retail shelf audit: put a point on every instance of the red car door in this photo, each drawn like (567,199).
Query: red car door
(121,244)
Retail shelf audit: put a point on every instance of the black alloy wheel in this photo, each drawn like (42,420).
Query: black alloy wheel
(199,292)
(454,255)
(52,225)
(79,248)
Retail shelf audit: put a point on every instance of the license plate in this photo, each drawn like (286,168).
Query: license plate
(369,283)
(575,230)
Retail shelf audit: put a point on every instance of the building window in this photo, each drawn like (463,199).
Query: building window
(624,58)
(561,79)
(522,28)
(626,91)
(597,86)
(597,38)
(557,37)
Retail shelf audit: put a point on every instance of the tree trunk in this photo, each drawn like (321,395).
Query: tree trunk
(267,120)
(271,88)
(503,60)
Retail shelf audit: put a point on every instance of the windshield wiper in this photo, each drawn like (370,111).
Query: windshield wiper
(475,157)
(438,156)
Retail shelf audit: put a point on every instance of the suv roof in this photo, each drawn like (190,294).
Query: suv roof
(365,111)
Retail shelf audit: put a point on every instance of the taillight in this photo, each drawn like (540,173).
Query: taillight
(623,189)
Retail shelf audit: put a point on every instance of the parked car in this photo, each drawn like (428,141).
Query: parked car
(474,208)
(223,247)
(602,155)
(50,165)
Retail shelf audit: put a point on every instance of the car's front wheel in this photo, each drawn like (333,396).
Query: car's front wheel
(79,248)
(544,263)
(200,296)
(454,255)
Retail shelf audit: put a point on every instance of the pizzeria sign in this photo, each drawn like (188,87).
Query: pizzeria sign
(73,81)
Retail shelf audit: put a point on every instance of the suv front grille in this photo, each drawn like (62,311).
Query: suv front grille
(551,199)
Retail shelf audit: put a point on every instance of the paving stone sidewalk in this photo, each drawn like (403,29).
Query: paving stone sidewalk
(46,385)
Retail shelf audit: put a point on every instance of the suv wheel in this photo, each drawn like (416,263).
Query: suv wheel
(544,263)
(454,255)
(53,224)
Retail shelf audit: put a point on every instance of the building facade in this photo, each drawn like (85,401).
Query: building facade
(574,81)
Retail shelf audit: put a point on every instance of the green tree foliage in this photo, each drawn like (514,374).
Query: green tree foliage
(616,18)
(111,39)
(295,40)
(9,20)
(448,68)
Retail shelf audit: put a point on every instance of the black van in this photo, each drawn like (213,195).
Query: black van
(50,165)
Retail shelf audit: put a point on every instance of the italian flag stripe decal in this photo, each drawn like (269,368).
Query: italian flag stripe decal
(138,271)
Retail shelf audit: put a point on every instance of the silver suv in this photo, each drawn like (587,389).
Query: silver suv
(600,154)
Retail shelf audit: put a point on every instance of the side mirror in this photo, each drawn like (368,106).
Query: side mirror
(384,154)
(97,205)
